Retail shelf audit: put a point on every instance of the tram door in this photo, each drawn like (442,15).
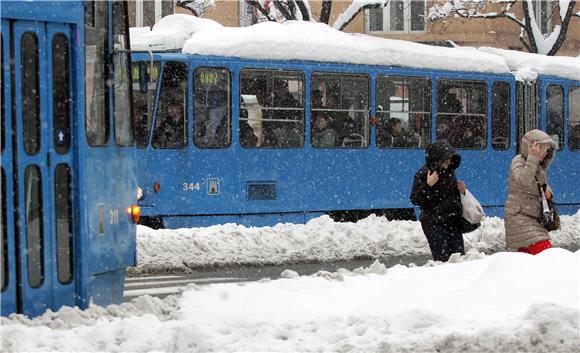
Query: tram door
(40,239)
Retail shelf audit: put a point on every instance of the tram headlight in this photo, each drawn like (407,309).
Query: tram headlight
(140,193)
(134,213)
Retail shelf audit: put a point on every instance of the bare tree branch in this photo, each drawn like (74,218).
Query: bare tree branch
(263,11)
(280,7)
(523,41)
(353,10)
(303,10)
(564,30)
(530,34)
(528,28)
(325,11)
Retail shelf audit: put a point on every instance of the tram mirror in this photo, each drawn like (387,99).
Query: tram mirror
(143,84)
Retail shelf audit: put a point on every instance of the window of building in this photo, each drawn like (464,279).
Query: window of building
(574,118)
(171,122)
(271,109)
(339,110)
(462,113)
(398,16)
(543,15)
(149,12)
(403,112)
(500,116)
(555,114)
(247,16)
(211,99)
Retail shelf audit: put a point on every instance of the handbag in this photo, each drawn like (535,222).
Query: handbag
(549,217)
(471,211)
(471,208)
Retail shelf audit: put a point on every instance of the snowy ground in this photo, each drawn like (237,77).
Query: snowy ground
(319,240)
(505,302)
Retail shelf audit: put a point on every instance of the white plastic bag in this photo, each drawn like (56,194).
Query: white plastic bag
(472,210)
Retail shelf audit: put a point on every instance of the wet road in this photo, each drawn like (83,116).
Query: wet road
(163,285)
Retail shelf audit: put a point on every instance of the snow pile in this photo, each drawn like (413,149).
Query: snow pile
(506,302)
(300,40)
(321,239)
(169,33)
(303,40)
(527,65)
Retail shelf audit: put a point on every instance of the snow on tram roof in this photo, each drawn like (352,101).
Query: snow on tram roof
(527,65)
(310,41)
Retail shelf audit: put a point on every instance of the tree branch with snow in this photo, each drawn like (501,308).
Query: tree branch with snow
(283,10)
(531,35)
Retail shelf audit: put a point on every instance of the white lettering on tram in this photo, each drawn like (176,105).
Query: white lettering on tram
(191,187)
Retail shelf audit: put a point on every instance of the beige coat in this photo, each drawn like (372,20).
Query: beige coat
(524,204)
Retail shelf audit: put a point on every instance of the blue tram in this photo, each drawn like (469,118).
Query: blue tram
(260,141)
(68,152)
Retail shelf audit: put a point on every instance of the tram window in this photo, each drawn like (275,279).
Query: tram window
(96,100)
(500,116)
(34,226)
(271,109)
(211,99)
(4,240)
(61,93)
(462,113)
(574,118)
(555,114)
(144,87)
(170,127)
(340,110)
(403,112)
(30,94)
(63,209)
(122,89)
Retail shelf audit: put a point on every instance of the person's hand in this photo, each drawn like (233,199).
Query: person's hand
(432,178)
(535,149)
(548,194)
(461,186)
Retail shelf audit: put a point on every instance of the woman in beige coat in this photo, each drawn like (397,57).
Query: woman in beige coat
(523,230)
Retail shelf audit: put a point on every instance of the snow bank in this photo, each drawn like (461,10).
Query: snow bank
(321,239)
(506,302)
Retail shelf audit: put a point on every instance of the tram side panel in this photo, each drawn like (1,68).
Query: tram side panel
(193,185)
(8,281)
(253,185)
(559,114)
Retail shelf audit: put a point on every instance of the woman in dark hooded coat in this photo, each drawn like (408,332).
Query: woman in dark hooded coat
(436,191)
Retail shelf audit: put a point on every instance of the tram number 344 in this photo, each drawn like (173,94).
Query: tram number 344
(191,187)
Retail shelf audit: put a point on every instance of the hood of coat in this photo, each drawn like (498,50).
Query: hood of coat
(438,152)
(544,140)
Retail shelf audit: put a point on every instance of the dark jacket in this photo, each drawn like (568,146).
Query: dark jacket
(440,204)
